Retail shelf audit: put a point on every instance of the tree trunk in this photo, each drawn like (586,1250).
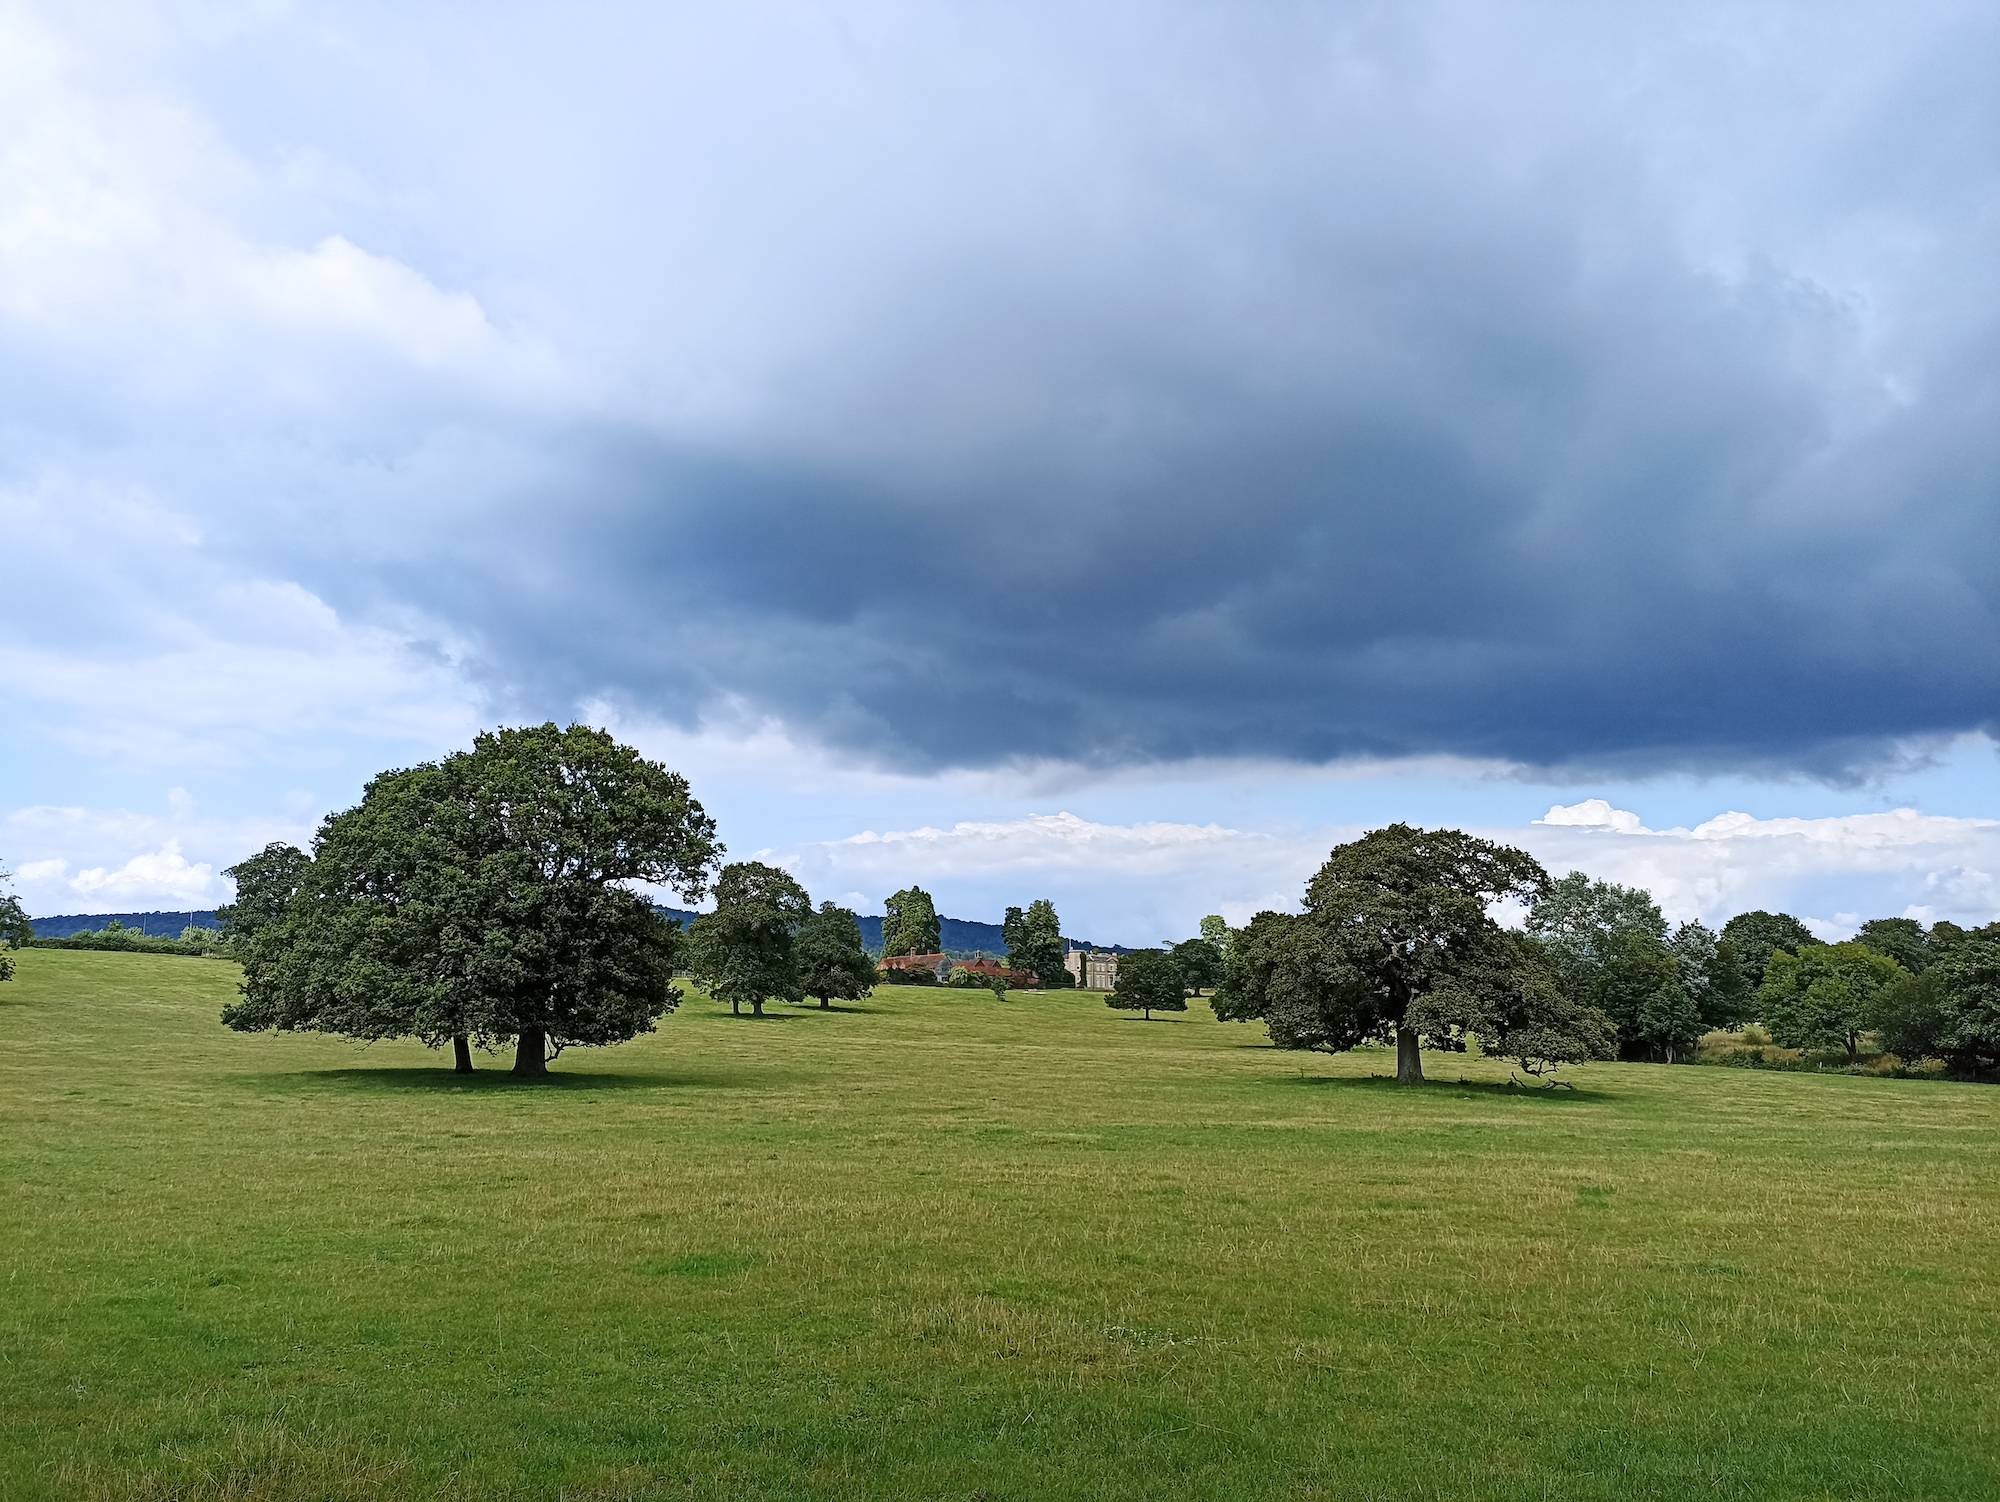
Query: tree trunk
(461,1051)
(531,1052)
(1409,1063)
(823,1005)
(757,1006)
(735,1008)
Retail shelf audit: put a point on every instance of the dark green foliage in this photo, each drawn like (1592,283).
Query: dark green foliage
(1395,943)
(832,961)
(1627,985)
(1526,1013)
(265,886)
(1759,935)
(485,898)
(1200,962)
(1731,999)
(1911,1017)
(15,929)
(1945,936)
(1668,1026)
(1149,981)
(1901,939)
(1035,944)
(1952,1010)
(910,924)
(745,951)
(1824,996)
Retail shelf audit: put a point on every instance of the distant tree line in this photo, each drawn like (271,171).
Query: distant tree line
(493,899)
(1396,945)
(195,941)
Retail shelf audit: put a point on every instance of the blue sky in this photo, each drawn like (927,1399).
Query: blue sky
(1107,453)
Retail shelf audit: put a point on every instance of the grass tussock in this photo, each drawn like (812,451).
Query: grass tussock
(951,1246)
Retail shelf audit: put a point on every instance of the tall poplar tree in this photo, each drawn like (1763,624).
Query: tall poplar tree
(911,924)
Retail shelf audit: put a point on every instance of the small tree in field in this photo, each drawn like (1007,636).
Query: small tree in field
(746,950)
(1668,1023)
(832,961)
(486,898)
(1148,981)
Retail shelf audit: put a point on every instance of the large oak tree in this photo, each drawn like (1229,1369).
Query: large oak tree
(1396,945)
(483,899)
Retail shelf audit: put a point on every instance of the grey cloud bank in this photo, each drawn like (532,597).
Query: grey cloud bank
(1570,386)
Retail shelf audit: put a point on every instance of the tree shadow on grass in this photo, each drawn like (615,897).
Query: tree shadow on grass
(1433,1088)
(446,1080)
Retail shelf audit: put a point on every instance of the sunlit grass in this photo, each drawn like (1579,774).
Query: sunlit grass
(943,1245)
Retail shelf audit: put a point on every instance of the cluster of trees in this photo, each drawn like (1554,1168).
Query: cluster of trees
(1033,936)
(1924,993)
(766,942)
(1161,980)
(1613,952)
(1396,945)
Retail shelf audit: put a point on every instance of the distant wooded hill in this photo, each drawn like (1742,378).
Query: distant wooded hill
(154,925)
(962,936)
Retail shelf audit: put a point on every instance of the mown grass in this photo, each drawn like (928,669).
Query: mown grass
(945,1246)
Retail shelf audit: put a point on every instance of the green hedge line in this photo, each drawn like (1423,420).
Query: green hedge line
(120,942)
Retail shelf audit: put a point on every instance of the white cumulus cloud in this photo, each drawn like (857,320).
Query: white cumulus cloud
(1147,881)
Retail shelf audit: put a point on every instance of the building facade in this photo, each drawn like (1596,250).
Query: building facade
(1092,969)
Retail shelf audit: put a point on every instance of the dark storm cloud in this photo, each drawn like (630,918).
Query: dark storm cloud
(1566,385)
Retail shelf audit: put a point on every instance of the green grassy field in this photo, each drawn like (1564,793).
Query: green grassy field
(945,1246)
